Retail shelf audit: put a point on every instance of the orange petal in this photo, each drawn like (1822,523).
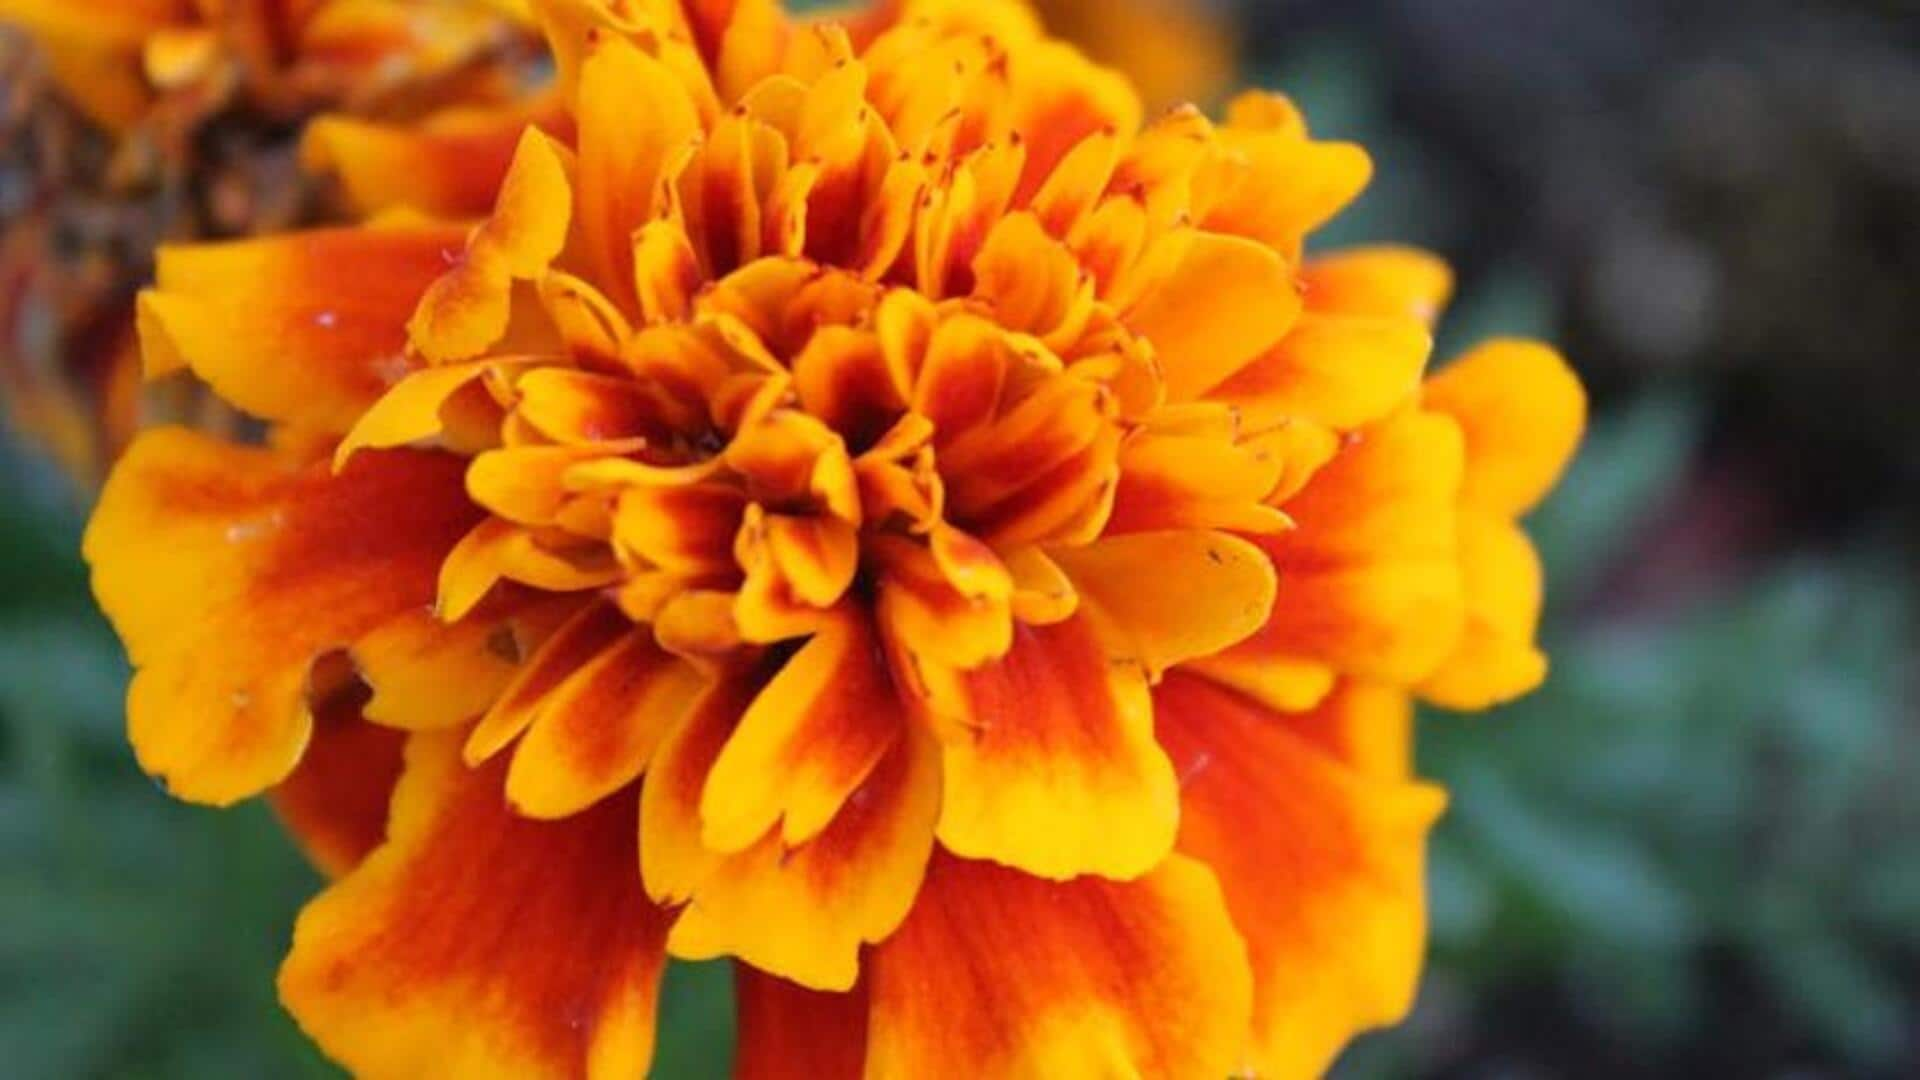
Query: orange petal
(1163,598)
(1371,576)
(597,729)
(817,556)
(1049,759)
(673,861)
(478,943)
(595,627)
(623,151)
(415,409)
(449,165)
(999,974)
(1171,481)
(1522,410)
(1340,372)
(1366,726)
(1289,184)
(687,527)
(1224,302)
(1062,99)
(924,615)
(530,215)
(804,912)
(1496,660)
(1321,867)
(307,328)
(335,803)
(581,407)
(227,574)
(806,743)
(526,484)
(788,1032)
(1378,283)
(427,675)
(841,377)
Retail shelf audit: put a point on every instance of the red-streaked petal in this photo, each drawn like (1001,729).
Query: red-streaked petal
(1049,759)
(477,943)
(596,626)
(806,743)
(805,912)
(595,732)
(449,165)
(227,573)
(1321,867)
(996,973)
(1371,578)
(307,328)
(672,859)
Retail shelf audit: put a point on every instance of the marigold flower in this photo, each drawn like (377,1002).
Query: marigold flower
(128,120)
(860,502)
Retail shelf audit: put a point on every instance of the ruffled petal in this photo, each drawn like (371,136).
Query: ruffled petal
(427,675)
(597,730)
(1000,974)
(1321,867)
(1496,660)
(305,328)
(227,573)
(804,912)
(1049,758)
(806,743)
(476,943)
(1371,579)
(1522,410)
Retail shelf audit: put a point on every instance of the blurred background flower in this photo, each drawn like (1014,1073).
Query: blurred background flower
(1691,854)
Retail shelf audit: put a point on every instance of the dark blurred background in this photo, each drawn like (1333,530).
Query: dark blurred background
(1693,854)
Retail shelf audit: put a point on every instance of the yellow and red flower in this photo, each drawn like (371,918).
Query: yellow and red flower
(861,501)
(116,153)
(118,60)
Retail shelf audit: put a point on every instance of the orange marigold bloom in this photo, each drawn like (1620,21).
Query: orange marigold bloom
(133,119)
(862,502)
(117,59)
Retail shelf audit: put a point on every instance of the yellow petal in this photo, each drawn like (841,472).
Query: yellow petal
(1163,598)
(1522,410)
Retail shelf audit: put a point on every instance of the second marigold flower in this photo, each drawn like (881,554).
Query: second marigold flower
(864,503)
